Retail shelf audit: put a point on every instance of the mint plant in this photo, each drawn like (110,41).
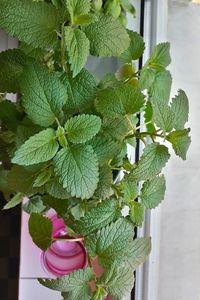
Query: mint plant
(67,133)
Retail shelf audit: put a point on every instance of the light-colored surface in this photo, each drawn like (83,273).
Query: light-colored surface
(179,272)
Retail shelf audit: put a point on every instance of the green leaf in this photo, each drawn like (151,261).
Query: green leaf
(43,94)
(9,115)
(136,213)
(59,205)
(77,7)
(75,284)
(40,229)
(180,108)
(11,68)
(148,116)
(153,192)
(127,6)
(30,22)
(104,188)
(24,132)
(38,148)
(81,91)
(135,49)
(17,199)
(160,56)
(42,178)
(78,47)
(180,140)
(117,128)
(77,168)
(82,128)
(120,101)
(98,217)
(30,51)
(147,77)
(139,251)
(163,115)
(85,20)
(111,243)
(104,148)
(55,189)
(109,81)
(34,205)
(130,188)
(107,37)
(118,281)
(161,87)
(153,159)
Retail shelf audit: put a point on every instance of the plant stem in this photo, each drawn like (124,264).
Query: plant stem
(64,66)
(69,240)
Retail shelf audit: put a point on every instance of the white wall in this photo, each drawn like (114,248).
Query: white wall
(179,268)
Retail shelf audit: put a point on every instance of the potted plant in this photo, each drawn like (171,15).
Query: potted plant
(67,133)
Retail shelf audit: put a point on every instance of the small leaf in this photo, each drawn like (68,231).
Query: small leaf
(30,22)
(148,116)
(153,192)
(118,281)
(55,189)
(43,94)
(147,77)
(130,188)
(12,63)
(81,91)
(77,7)
(40,229)
(107,37)
(139,251)
(34,205)
(180,140)
(135,49)
(117,128)
(38,148)
(77,48)
(161,87)
(42,178)
(160,55)
(104,188)
(98,217)
(82,128)
(75,284)
(77,168)
(17,199)
(120,101)
(136,213)
(153,159)
(180,108)
(85,20)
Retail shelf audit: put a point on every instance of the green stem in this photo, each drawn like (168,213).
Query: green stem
(64,66)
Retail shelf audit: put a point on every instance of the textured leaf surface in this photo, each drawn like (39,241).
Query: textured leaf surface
(161,87)
(118,281)
(42,178)
(180,140)
(98,217)
(77,7)
(107,37)
(130,188)
(43,94)
(11,68)
(136,213)
(34,205)
(163,115)
(147,77)
(77,48)
(153,159)
(180,108)
(139,251)
(136,48)
(104,189)
(38,148)
(122,100)
(40,229)
(17,199)
(9,115)
(160,55)
(30,22)
(117,128)
(77,169)
(81,91)
(153,192)
(75,284)
(55,189)
(111,243)
(82,128)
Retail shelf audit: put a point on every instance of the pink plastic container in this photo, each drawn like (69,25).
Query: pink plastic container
(63,257)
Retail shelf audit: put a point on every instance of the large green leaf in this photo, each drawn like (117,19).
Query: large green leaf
(81,91)
(43,94)
(180,140)
(139,251)
(153,192)
(161,87)
(31,22)
(135,49)
(11,68)
(77,8)
(78,47)
(117,281)
(82,128)
(107,37)
(55,189)
(160,56)
(77,168)
(98,217)
(75,284)
(117,128)
(163,115)
(40,229)
(120,101)
(38,148)
(180,108)
(111,243)
(153,159)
